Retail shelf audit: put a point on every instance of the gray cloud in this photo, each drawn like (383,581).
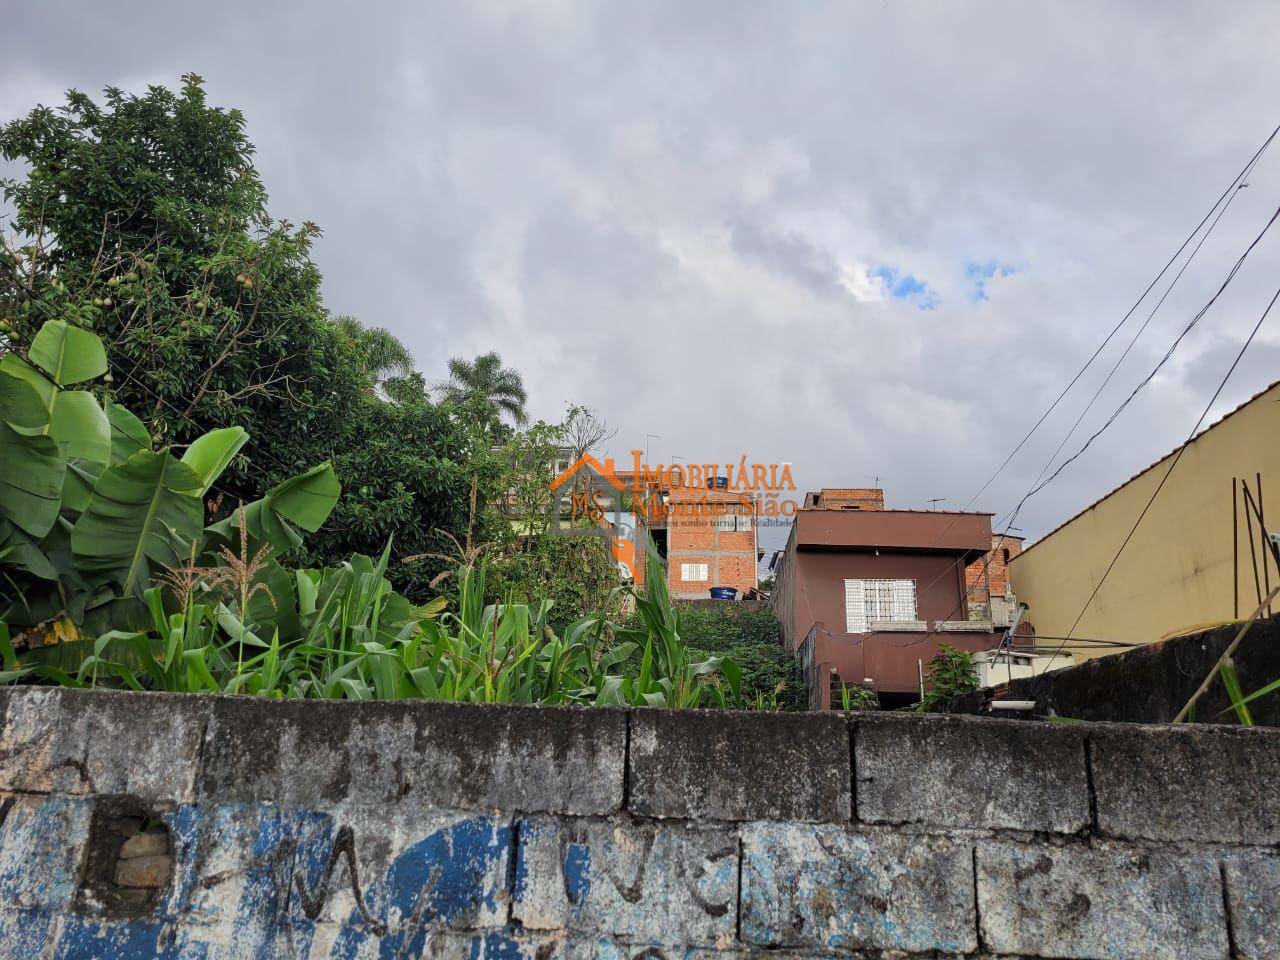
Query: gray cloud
(668,211)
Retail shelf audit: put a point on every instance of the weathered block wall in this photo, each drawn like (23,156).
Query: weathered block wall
(410,829)
(1152,683)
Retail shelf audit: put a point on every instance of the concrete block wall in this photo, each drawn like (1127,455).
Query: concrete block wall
(389,830)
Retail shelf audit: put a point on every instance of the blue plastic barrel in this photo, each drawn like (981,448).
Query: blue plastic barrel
(724,593)
(717,483)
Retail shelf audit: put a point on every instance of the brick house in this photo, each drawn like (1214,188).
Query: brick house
(711,542)
(869,594)
(987,581)
(706,536)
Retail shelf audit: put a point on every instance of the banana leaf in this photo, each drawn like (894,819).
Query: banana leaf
(32,470)
(138,510)
(68,354)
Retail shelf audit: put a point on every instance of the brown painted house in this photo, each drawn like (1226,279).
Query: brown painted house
(868,594)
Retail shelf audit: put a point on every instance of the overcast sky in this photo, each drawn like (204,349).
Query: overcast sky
(871,239)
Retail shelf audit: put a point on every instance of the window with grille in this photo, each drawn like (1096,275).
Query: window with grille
(735,522)
(693,572)
(866,601)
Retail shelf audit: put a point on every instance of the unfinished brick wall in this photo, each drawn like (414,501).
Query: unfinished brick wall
(694,537)
(449,831)
(992,567)
(846,498)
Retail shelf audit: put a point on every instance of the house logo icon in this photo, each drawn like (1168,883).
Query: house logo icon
(588,499)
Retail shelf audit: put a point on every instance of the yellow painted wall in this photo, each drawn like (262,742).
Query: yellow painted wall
(1176,571)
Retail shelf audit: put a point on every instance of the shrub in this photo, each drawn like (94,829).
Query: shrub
(948,674)
(771,677)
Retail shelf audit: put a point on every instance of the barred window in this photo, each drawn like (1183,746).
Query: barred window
(866,601)
(693,572)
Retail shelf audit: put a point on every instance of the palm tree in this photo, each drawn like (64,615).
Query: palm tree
(487,384)
(382,357)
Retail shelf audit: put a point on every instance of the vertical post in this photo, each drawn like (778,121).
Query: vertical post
(986,576)
(920,669)
(1266,543)
(1235,550)
(1248,525)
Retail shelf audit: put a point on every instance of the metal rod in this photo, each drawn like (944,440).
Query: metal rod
(1226,655)
(1267,543)
(1248,523)
(1262,532)
(1235,551)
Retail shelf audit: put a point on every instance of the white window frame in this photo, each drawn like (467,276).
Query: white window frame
(701,571)
(733,523)
(879,601)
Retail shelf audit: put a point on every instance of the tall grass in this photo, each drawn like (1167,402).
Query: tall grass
(343,633)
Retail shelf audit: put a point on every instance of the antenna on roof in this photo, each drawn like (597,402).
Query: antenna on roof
(934,501)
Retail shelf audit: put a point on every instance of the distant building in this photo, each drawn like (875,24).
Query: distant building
(845,498)
(706,536)
(1190,560)
(991,595)
(866,595)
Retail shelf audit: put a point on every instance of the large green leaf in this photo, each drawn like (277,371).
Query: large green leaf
(128,434)
(20,403)
(142,512)
(68,354)
(303,501)
(19,549)
(209,455)
(307,499)
(77,421)
(15,366)
(77,487)
(32,470)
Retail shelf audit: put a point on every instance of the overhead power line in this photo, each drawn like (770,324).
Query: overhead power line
(1195,430)
(1159,366)
(1214,213)
(1227,193)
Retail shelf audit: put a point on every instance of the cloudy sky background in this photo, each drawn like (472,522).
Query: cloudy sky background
(873,239)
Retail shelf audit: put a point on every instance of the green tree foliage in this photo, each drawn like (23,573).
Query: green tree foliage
(143,219)
(749,636)
(948,674)
(577,574)
(489,390)
(411,470)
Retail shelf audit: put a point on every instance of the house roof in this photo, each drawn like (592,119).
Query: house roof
(904,530)
(1076,516)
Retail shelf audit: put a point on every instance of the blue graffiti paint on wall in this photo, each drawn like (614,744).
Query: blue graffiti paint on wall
(252,881)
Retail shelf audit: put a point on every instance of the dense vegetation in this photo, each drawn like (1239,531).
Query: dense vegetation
(115,578)
(771,676)
(199,464)
(144,220)
(948,674)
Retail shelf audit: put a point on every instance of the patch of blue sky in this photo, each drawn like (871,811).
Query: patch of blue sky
(906,286)
(978,273)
